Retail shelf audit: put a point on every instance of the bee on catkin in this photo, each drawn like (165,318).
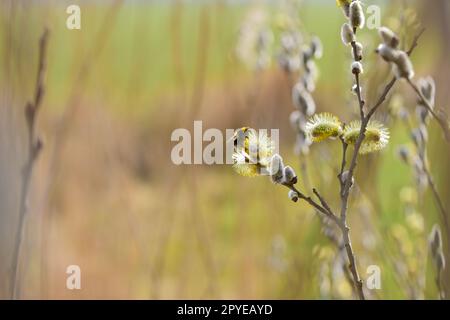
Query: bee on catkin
(252,152)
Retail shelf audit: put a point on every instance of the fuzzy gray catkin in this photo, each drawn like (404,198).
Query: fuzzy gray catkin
(303,100)
(358,51)
(404,154)
(346,9)
(357,18)
(403,67)
(355,89)
(357,68)
(387,53)
(311,69)
(308,82)
(422,114)
(316,48)
(293,195)
(389,37)
(440,261)
(294,119)
(347,34)
(276,169)
(427,87)
(435,239)
(420,138)
(344,178)
(435,245)
(289,176)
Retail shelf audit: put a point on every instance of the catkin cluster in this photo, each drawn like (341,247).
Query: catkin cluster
(389,51)
(352,9)
(254,42)
(284,175)
(289,55)
(302,98)
(416,156)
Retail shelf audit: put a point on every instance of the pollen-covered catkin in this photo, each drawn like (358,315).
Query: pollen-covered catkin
(323,126)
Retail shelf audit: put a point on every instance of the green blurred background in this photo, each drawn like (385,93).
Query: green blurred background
(106,196)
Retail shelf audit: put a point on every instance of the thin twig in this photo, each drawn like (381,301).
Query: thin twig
(61,132)
(347,184)
(323,202)
(309,200)
(421,152)
(415,42)
(34,148)
(443,123)
(436,196)
(439,285)
(343,163)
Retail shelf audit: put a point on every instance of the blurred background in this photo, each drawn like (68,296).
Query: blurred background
(106,196)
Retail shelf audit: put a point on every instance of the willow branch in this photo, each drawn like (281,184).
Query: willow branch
(391,83)
(345,191)
(34,148)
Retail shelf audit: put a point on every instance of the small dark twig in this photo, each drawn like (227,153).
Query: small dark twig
(415,41)
(323,202)
(343,163)
(34,148)
(323,209)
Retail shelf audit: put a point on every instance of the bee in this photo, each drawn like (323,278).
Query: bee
(252,152)
(240,138)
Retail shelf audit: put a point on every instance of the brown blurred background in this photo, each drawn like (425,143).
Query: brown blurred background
(106,196)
